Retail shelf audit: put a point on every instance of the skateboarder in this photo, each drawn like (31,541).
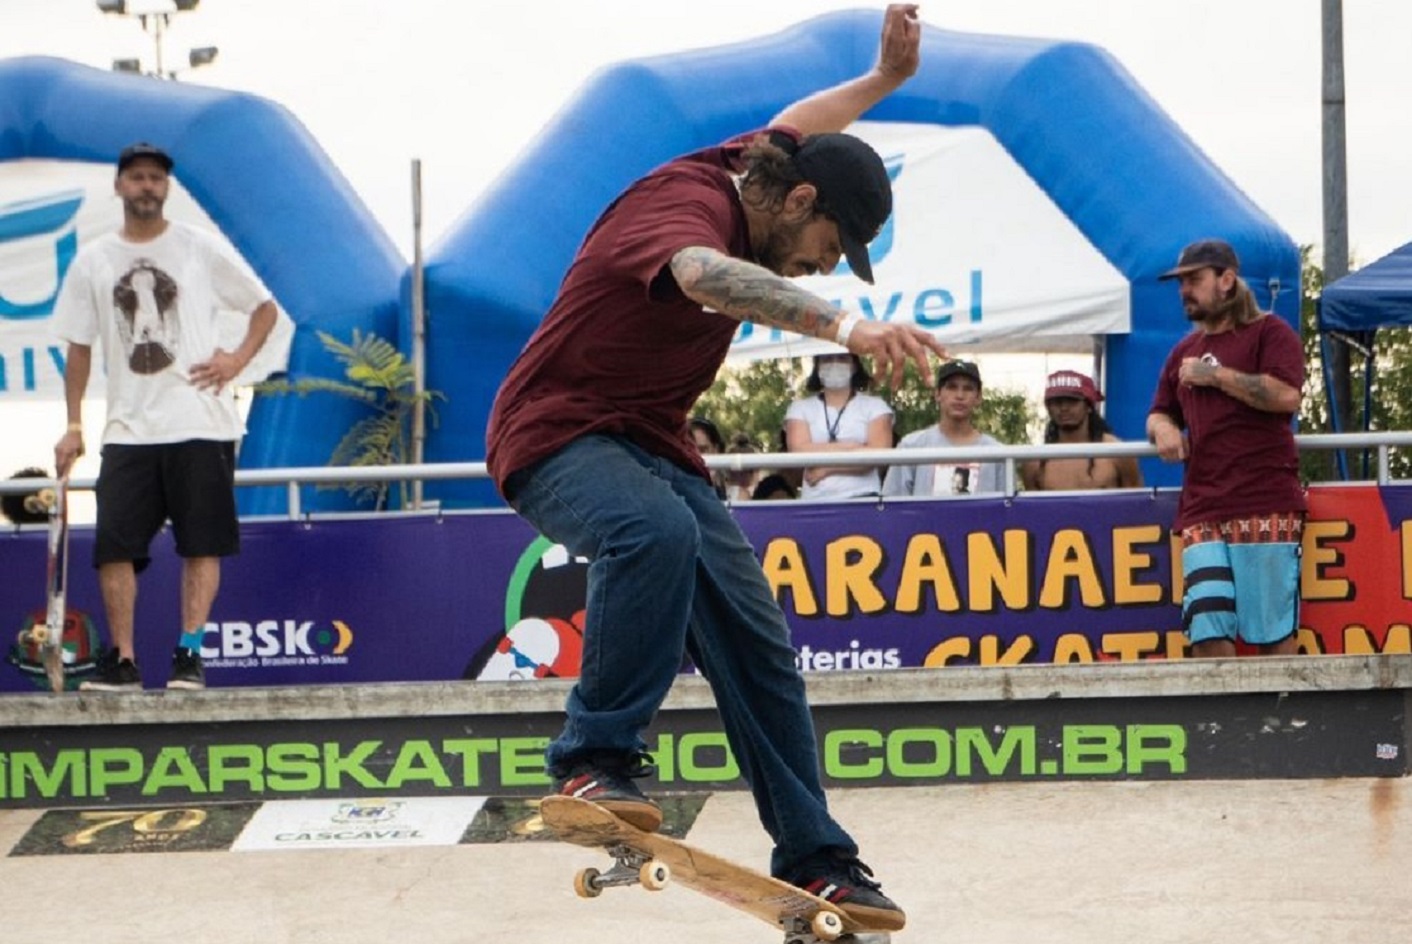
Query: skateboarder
(589,441)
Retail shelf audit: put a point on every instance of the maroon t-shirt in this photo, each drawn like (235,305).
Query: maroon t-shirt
(1241,461)
(622,350)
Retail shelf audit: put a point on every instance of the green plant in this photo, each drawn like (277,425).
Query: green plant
(378,375)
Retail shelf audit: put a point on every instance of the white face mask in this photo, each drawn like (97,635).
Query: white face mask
(836,376)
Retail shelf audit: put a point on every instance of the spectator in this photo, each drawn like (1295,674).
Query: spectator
(27,509)
(740,483)
(774,487)
(150,294)
(958,395)
(1072,399)
(709,442)
(587,440)
(839,417)
(1223,404)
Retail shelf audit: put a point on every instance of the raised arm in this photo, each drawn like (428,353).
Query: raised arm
(834,109)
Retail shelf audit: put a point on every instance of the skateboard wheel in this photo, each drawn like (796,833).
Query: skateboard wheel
(654,875)
(586,884)
(827,926)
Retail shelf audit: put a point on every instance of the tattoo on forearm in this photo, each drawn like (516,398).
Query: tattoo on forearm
(748,292)
(1252,389)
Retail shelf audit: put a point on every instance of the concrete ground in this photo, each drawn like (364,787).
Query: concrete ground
(1023,863)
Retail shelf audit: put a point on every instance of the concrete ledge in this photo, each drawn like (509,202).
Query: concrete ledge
(959,684)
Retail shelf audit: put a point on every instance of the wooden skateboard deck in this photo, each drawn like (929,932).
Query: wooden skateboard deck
(653,860)
(49,638)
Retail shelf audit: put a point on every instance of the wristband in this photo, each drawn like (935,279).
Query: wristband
(846,326)
(75,427)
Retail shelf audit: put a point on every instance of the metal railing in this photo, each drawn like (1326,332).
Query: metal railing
(1012,456)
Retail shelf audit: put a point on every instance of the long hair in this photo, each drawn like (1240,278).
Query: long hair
(770,174)
(860,381)
(1240,305)
(1097,428)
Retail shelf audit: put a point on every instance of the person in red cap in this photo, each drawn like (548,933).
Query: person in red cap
(1223,405)
(1072,399)
(588,441)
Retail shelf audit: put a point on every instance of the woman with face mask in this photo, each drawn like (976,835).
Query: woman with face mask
(838,415)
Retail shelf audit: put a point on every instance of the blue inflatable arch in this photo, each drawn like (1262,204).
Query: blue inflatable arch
(1131,181)
(274,194)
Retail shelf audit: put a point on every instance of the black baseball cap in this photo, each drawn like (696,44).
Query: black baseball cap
(1203,254)
(952,368)
(142,149)
(854,188)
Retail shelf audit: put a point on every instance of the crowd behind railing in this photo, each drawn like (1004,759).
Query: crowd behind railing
(1376,445)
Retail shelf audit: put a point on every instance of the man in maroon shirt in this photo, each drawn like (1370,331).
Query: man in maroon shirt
(1233,385)
(589,441)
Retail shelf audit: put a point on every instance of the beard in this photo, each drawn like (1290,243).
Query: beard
(144,208)
(781,243)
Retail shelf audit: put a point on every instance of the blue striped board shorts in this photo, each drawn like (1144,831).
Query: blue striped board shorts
(1242,578)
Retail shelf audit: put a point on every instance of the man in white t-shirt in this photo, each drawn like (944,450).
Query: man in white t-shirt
(150,295)
(958,395)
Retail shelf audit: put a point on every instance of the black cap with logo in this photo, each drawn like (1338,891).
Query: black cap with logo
(953,368)
(140,150)
(1203,254)
(854,188)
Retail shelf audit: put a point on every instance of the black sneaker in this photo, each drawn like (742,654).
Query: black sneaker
(187,671)
(837,877)
(112,674)
(607,780)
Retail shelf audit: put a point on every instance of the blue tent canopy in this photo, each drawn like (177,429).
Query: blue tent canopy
(1376,296)
(1351,311)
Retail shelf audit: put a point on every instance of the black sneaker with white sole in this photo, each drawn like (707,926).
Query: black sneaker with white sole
(187,671)
(607,780)
(840,878)
(113,674)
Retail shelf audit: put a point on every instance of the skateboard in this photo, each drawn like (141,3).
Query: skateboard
(49,637)
(653,861)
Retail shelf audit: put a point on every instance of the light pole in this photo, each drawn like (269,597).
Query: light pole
(155,19)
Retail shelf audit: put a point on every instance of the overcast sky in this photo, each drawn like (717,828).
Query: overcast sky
(466,85)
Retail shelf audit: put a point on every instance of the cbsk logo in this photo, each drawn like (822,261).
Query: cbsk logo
(266,638)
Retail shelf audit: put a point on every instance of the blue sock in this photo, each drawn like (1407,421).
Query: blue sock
(192,640)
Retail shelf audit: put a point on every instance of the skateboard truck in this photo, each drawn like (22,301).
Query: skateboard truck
(630,867)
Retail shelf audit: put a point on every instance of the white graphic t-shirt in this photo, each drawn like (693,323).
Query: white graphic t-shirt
(945,478)
(153,306)
(850,425)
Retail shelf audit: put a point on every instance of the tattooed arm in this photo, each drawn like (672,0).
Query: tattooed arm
(748,292)
(1259,391)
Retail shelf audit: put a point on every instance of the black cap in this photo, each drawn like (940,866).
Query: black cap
(952,368)
(854,188)
(142,149)
(1203,254)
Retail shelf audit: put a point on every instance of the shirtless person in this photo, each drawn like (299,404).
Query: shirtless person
(1071,399)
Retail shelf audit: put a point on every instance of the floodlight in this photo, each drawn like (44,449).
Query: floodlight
(127,65)
(202,56)
(113,6)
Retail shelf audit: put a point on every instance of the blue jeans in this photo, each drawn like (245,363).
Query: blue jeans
(671,572)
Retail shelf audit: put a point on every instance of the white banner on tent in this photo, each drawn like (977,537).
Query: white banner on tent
(48,210)
(974,252)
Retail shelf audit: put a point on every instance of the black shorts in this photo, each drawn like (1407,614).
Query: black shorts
(141,487)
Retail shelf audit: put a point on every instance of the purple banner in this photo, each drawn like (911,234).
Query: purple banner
(980,581)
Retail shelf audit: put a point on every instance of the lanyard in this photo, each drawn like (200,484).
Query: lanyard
(832,427)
